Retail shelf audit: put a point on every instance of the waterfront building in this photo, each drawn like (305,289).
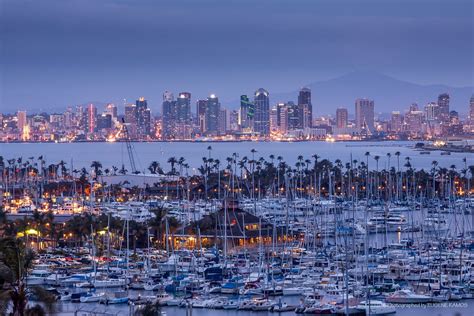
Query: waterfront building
(262,112)
(212,115)
(143,118)
(91,118)
(364,112)
(112,110)
(201,115)
(443,103)
(183,116)
(233,124)
(305,108)
(169,115)
(471,113)
(130,119)
(247,111)
(396,122)
(342,118)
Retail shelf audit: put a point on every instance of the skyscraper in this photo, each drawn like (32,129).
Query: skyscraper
(169,115)
(305,107)
(262,112)
(294,116)
(91,118)
(396,122)
(364,112)
(247,111)
(112,110)
(432,112)
(143,117)
(183,116)
(201,115)
(212,115)
(471,110)
(131,119)
(342,118)
(443,104)
(21,120)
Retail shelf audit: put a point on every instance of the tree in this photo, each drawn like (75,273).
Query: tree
(15,261)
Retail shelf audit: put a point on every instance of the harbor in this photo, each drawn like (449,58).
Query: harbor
(370,236)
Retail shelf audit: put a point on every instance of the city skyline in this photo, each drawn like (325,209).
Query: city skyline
(57,54)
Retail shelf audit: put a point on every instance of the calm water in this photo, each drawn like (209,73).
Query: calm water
(463,308)
(115,154)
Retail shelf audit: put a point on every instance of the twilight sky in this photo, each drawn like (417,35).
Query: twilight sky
(56,53)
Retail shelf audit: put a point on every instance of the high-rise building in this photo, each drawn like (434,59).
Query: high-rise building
(21,120)
(212,115)
(233,125)
(432,111)
(131,119)
(222,123)
(247,112)
(91,118)
(414,122)
(183,116)
(282,118)
(305,108)
(104,121)
(471,110)
(443,103)
(201,115)
(342,118)
(143,117)
(294,116)
(396,122)
(169,116)
(364,112)
(262,112)
(112,110)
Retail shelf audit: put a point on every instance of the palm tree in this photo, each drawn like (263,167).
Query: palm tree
(15,261)
(154,167)
(97,166)
(172,161)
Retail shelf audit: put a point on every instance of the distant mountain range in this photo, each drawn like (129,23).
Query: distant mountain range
(389,94)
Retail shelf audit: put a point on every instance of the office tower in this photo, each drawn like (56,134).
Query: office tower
(364,111)
(396,122)
(201,115)
(212,115)
(247,112)
(443,103)
(262,112)
(183,116)
(233,125)
(222,123)
(282,117)
(414,122)
(342,118)
(274,119)
(432,111)
(104,121)
(21,120)
(91,118)
(169,116)
(112,110)
(143,118)
(294,116)
(471,110)
(305,107)
(131,119)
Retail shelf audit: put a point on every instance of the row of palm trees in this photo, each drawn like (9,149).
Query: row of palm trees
(250,176)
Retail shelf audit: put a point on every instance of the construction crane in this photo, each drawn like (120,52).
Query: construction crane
(129,147)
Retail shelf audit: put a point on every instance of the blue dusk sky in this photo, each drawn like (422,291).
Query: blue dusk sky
(56,53)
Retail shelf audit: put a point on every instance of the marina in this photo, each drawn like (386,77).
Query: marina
(249,235)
